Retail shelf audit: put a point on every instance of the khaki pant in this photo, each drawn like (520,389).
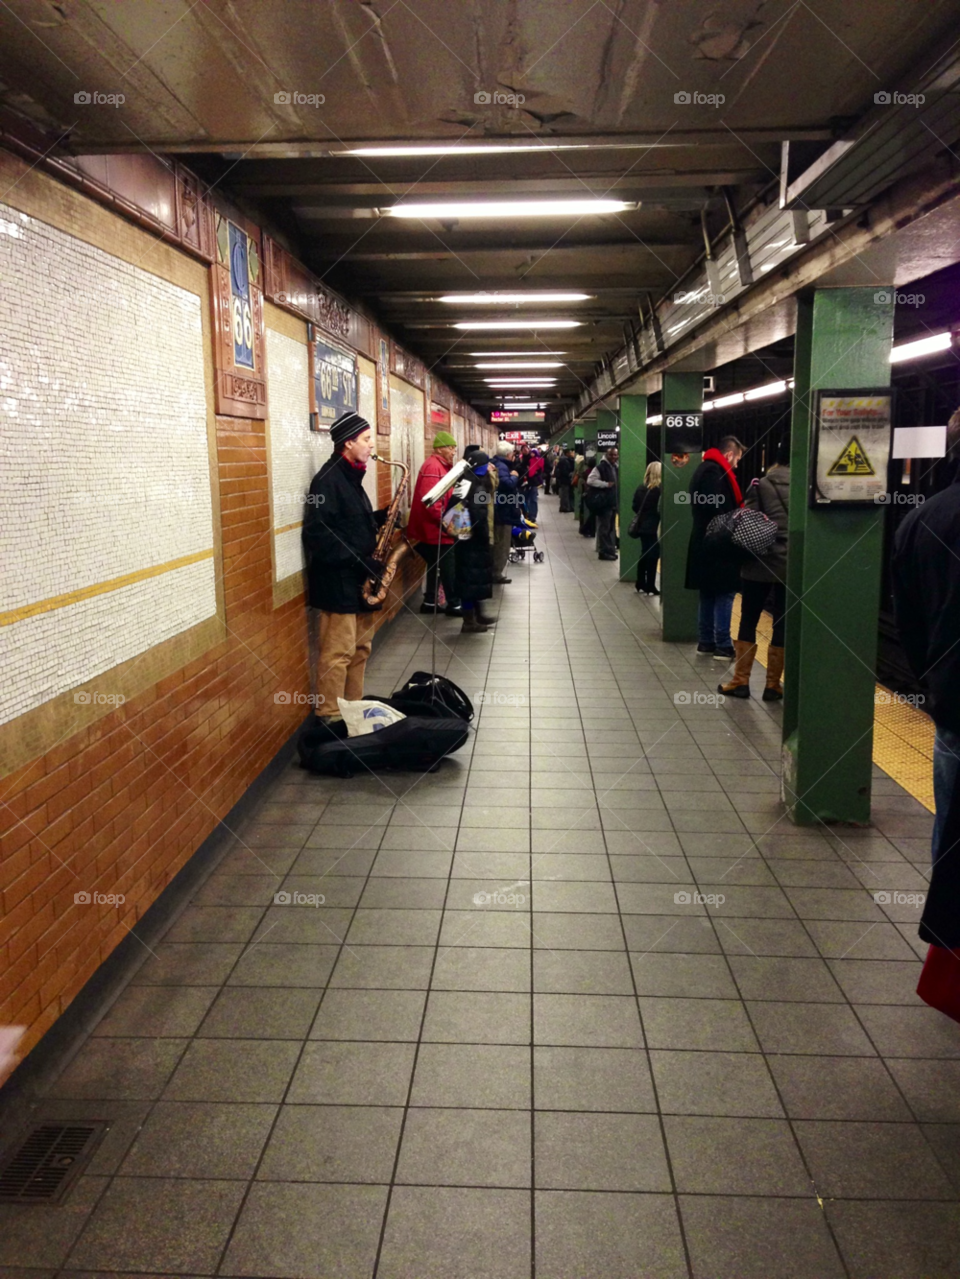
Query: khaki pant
(501,547)
(345,640)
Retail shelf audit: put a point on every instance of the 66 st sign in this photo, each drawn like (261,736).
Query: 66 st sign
(242,311)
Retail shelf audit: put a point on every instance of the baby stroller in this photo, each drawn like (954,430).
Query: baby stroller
(523,538)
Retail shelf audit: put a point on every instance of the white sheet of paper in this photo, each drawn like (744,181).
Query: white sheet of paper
(919,441)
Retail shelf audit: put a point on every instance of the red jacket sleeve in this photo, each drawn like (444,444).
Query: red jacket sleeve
(424,523)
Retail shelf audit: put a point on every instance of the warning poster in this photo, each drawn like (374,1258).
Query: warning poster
(852,447)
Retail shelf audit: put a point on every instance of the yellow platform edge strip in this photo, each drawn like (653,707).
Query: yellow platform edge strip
(902,734)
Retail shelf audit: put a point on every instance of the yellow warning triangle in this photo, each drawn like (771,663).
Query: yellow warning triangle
(852,461)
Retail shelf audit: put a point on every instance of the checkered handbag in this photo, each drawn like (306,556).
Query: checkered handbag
(744,531)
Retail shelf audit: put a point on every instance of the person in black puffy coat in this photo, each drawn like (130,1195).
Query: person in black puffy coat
(339,538)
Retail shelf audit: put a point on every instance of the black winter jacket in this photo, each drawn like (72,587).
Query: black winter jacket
(564,469)
(709,569)
(473,556)
(926,596)
(339,537)
(646,504)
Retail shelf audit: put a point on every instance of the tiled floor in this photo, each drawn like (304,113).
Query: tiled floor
(586,1069)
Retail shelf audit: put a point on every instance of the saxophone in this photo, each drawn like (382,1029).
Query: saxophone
(375,588)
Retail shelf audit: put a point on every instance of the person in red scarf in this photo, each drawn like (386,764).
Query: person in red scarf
(714,491)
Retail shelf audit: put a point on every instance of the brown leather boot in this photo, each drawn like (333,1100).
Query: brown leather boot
(471,626)
(774,690)
(739,685)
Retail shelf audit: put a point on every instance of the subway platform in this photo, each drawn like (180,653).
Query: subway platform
(583,1003)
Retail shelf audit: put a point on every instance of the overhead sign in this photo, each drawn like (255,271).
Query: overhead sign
(683,432)
(333,377)
(521,437)
(852,446)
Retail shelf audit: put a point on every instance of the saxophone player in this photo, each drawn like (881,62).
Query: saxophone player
(339,539)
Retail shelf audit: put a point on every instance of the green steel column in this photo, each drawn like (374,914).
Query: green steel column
(633,463)
(682,393)
(797,518)
(843,342)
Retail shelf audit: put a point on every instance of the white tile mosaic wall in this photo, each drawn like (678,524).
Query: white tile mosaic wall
(104,467)
(296,452)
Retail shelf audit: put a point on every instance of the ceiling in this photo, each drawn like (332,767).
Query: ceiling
(592,107)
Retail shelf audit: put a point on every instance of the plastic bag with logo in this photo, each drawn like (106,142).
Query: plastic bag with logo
(367,716)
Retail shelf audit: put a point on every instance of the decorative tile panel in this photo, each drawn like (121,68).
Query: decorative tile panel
(105,469)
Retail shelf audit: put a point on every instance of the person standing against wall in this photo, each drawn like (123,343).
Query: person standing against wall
(714,491)
(646,507)
(926,597)
(763,580)
(425,532)
(339,539)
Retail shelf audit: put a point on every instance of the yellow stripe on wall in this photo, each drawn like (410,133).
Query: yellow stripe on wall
(288,528)
(100,588)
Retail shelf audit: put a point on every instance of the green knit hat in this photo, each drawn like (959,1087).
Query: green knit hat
(444,440)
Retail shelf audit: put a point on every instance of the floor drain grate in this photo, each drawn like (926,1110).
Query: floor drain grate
(43,1167)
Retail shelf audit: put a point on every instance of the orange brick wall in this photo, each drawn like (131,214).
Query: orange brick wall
(119,806)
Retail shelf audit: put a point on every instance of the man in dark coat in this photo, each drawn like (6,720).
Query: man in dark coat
(602,500)
(339,539)
(714,491)
(926,596)
(564,474)
(474,554)
(548,461)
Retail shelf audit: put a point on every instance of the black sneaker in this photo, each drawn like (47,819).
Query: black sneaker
(724,654)
(427,607)
(706,648)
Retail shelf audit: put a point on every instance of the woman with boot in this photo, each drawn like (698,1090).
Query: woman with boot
(474,553)
(763,579)
(646,507)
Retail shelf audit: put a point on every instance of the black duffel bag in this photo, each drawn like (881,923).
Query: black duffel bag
(437,724)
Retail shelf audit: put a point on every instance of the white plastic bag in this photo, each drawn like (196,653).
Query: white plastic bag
(367,717)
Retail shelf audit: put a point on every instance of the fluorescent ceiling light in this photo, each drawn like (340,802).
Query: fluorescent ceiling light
(497,355)
(456,149)
(726,400)
(522,364)
(498,299)
(761,392)
(518,324)
(528,381)
(924,346)
(508,209)
(655,419)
